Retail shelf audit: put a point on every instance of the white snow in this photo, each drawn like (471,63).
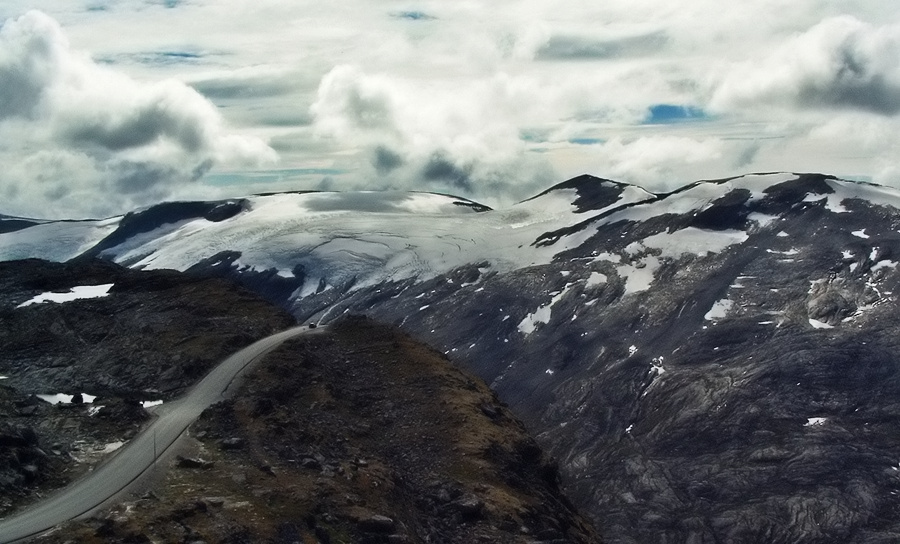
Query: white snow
(542,314)
(815,421)
(639,276)
(75,293)
(111,447)
(719,310)
(632,350)
(693,240)
(884,264)
(860,233)
(782,234)
(819,324)
(847,254)
(835,204)
(596,278)
(610,257)
(762,219)
(65,399)
(55,241)
(151,403)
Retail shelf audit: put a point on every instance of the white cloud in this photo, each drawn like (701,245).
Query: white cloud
(840,63)
(492,99)
(73,127)
(465,138)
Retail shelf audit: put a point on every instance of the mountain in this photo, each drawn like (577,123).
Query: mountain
(355,434)
(711,364)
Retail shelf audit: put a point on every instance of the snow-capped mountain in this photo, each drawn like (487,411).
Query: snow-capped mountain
(711,364)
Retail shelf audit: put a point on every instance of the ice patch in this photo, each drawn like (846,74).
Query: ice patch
(111,447)
(549,371)
(792,251)
(632,350)
(819,324)
(719,310)
(835,205)
(693,240)
(638,277)
(65,399)
(782,234)
(884,264)
(762,219)
(75,293)
(815,421)
(151,403)
(847,254)
(596,278)
(860,234)
(814,197)
(610,257)
(541,314)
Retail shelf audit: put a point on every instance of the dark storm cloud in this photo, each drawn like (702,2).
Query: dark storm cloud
(440,168)
(140,177)
(583,48)
(137,129)
(386,160)
(855,83)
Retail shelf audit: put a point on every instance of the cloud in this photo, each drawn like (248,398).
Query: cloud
(657,162)
(564,47)
(119,134)
(463,139)
(840,63)
(386,161)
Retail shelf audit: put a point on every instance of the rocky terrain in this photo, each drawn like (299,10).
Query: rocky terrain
(714,364)
(361,435)
(153,336)
(357,435)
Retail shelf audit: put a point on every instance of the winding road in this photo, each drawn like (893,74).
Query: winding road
(140,454)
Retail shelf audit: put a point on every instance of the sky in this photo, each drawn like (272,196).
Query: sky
(111,105)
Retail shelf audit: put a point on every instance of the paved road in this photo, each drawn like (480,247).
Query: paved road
(139,455)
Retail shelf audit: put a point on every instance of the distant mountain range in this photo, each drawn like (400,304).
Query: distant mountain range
(714,364)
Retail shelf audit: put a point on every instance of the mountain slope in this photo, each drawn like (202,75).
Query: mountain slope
(356,434)
(712,364)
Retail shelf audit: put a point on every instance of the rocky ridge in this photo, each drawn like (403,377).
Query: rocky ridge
(359,435)
(151,338)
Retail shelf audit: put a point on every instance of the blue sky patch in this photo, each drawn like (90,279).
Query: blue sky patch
(586,141)
(663,114)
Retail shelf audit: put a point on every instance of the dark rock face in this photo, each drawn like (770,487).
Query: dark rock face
(152,337)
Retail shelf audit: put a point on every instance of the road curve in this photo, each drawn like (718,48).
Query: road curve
(142,451)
